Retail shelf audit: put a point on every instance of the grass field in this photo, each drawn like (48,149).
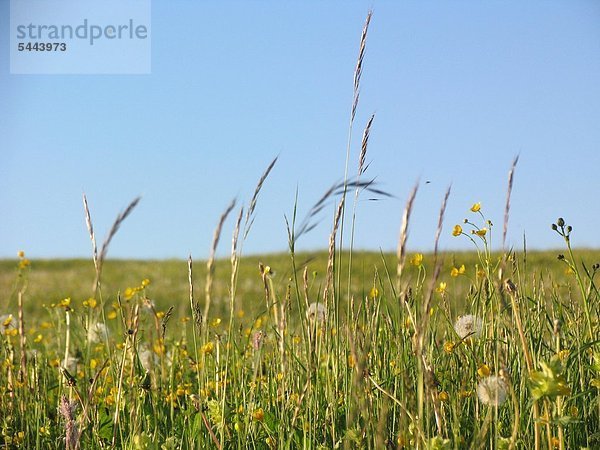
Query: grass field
(117,369)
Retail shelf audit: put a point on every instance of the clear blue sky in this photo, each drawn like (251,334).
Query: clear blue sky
(458,88)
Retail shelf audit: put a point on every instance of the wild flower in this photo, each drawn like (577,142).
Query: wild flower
(449,347)
(6,323)
(417,260)
(90,303)
(70,363)
(476,207)
(457,230)
(481,232)
(468,326)
(492,391)
(442,287)
(456,271)
(316,312)
(148,359)
(97,332)
(483,370)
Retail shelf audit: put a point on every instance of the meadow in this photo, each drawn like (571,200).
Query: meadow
(496,348)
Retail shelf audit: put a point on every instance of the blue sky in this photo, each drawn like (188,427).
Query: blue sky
(458,89)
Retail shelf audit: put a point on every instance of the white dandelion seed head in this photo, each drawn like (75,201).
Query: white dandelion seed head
(492,391)
(97,332)
(70,363)
(148,359)
(468,326)
(316,312)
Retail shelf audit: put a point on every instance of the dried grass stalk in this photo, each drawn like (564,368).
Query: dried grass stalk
(210,265)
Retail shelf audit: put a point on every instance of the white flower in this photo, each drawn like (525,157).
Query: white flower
(468,326)
(316,312)
(148,359)
(492,391)
(70,363)
(97,333)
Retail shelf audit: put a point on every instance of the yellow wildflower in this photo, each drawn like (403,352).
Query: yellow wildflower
(65,302)
(449,347)
(483,371)
(457,271)
(258,414)
(208,348)
(443,396)
(373,293)
(351,361)
(464,393)
(145,282)
(21,254)
(129,293)
(457,230)
(90,303)
(481,233)
(476,207)
(417,259)
(442,287)
(38,339)
(111,315)
(7,321)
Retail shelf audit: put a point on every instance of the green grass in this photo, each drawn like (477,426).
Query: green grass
(352,381)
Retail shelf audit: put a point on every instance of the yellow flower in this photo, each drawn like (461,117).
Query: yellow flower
(417,259)
(111,315)
(145,282)
(258,414)
(483,371)
(464,393)
(480,233)
(208,348)
(21,254)
(443,396)
(38,338)
(476,207)
(90,303)
(129,292)
(7,321)
(442,287)
(373,293)
(351,361)
(449,347)
(65,302)
(457,271)
(457,230)
(24,263)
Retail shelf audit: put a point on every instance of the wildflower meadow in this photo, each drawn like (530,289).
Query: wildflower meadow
(495,348)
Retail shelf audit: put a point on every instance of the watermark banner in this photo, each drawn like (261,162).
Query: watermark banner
(80,37)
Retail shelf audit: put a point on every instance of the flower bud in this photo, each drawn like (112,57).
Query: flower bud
(554,227)
(560,222)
